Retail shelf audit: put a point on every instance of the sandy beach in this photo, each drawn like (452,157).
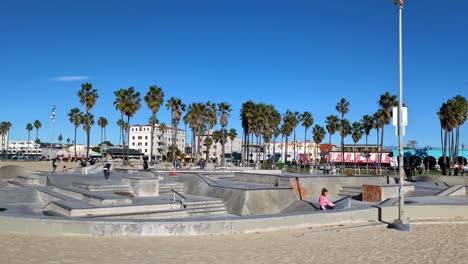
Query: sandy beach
(441,243)
(40,166)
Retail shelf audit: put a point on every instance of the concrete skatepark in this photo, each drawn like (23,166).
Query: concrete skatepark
(202,202)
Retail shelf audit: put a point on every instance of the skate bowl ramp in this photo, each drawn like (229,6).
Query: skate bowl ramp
(10,172)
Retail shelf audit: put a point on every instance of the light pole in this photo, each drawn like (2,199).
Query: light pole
(401,223)
(52,119)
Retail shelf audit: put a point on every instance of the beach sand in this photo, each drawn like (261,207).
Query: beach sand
(41,166)
(441,243)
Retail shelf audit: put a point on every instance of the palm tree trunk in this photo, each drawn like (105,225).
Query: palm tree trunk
(294,145)
(305,142)
(37,137)
(286,151)
(76,157)
(151,143)
(128,140)
(222,147)
(29,138)
(381,148)
(367,155)
(355,158)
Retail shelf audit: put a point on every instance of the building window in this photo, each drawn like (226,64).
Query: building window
(146,143)
(146,137)
(140,137)
(146,150)
(133,137)
(133,144)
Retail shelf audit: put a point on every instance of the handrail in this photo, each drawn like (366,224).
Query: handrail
(174,193)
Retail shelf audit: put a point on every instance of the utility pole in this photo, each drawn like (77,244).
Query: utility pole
(401,223)
(52,119)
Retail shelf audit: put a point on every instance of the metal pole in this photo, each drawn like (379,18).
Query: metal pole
(52,119)
(401,223)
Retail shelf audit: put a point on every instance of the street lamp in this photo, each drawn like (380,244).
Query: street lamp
(52,119)
(401,223)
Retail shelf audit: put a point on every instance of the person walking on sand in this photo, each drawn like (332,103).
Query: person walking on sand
(324,203)
(54,166)
(107,169)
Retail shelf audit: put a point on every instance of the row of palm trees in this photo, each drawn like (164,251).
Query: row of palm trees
(264,122)
(452,115)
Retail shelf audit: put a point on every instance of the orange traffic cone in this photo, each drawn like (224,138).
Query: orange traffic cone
(173,172)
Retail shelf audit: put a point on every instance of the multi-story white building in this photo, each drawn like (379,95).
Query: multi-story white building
(140,139)
(24,148)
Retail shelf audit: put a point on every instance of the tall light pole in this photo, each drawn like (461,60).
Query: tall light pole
(52,119)
(401,223)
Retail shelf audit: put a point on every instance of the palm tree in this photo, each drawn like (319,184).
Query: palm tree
(224,110)
(318,133)
(4,129)
(37,124)
(76,118)
(68,141)
(163,129)
(345,130)
(247,116)
(332,126)
(294,122)
(119,103)
(120,124)
(343,108)
(367,123)
(207,142)
(356,134)
(307,121)
(60,138)
(386,103)
(232,134)
(177,108)
(128,103)
(87,122)
(88,97)
(287,129)
(29,128)
(154,98)
(102,122)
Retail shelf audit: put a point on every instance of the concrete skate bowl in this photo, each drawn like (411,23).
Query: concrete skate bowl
(240,198)
(450,180)
(10,172)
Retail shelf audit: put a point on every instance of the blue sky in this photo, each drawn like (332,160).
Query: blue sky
(298,55)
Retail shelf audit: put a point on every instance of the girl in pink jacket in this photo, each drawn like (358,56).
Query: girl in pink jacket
(324,203)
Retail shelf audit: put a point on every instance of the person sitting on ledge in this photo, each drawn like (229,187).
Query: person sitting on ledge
(324,203)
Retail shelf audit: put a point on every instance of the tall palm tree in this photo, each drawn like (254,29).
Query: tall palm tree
(29,128)
(247,116)
(356,134)
(177,108)
(332,126)
(87,122)
(386,103)
(294,122)
(343,108)
(37,124)
(88,97)
(318,133)
(154,98)
(4,128)
(232,134)
(224,110)
(162,130)
(130,104)
(76,118)
(345,130)
(307,121)
(119,103)
(287,129)
(60,138)
(367,123)
(102,122)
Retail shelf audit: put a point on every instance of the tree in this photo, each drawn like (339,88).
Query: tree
(318,133)
(287,129)
(247,115)
(4,130)
(232,134)
(294,121)
(119,104)
(60,138)
(128,102)
(29,128)
(177,108)
(345,130)
(154,98)
(87,122)
(224,110)
(386,103)
(367,123)
(307,121)
(356,134)
(343,108)
(37,125)
(68,141)
(88,97)
(163,129)
(76,118)
(332,126)
(102,122)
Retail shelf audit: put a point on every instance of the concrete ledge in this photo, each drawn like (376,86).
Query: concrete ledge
(381,192)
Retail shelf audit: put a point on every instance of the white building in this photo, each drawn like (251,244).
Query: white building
(140,138)
(24,148)
(311,150)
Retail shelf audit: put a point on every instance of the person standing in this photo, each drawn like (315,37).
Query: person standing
(107,169)
(54,166)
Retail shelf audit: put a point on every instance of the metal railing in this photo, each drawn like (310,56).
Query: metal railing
(183,198)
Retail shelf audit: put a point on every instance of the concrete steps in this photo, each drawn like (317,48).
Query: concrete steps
(98,198)
(78,208)
(206,207)
(102,186)
(166,187)
(350,191)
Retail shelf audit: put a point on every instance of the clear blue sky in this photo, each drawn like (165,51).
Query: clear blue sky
(298,55)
